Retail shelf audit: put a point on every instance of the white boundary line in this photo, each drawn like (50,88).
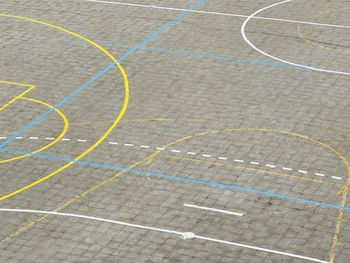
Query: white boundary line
(214,13)
(214,210)
(243,27)
(183,235)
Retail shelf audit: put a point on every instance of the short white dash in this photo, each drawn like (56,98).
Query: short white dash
(214,210)
(222,158)
(160,149)
(206,155)
(337,178)
(175,151)
(18,138)
(287,168)
(129,144)
(3,138)
(270,165)
(144,146)
(191,153)
(33,138)
(302,171)
(318,174)
(80,140)
(65,139)
(49,138)
(255,163)
(238,161)
(114,143)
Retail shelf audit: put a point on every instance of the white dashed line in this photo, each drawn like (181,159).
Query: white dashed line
(214,210)
(144,146)
(337,178)
(179,151)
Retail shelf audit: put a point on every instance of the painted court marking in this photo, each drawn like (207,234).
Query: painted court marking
(215,13)
(183,235)
(130,145)
(214,210)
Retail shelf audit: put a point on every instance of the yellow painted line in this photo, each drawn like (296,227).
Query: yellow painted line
(29,88)
(149,159)
(239,167)
(313,43)
(63,132)
(110,129)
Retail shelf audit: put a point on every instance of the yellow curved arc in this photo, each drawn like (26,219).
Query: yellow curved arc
(110,129)
(63,132)
(29,88)
(247,168)
(313,43)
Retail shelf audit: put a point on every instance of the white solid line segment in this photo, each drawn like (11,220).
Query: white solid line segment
(218,13)
(214,210)
(183,235)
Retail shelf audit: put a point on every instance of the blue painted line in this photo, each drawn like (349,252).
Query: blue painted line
(215,57)
(180,179)
(103,72)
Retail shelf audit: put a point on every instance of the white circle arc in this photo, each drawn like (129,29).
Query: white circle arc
(243,33)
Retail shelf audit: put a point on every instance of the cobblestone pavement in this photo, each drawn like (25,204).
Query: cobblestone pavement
(219,137)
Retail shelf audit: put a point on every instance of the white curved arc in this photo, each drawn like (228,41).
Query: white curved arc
(184,235)
(243,27)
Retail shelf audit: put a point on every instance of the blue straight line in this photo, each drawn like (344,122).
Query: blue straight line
(103,72)
(179,179)
(216,57)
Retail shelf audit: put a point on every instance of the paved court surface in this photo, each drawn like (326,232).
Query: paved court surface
(174,131)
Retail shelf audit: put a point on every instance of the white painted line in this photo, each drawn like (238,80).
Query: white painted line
(287,168)
(302,171)
(65,139)
(129,144)
(80,140)
(318,174)
(160,148)
(270,165)
(206,155)
(175,151)
(222,158)
(337,178)
(49,138)
(214,210)
(33,138)
(243,34)
(238,161)
(216,13)
(18,138)
(183,235)
(144,146)
(191,153)
(113,143)
(255,163)
(3,138)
